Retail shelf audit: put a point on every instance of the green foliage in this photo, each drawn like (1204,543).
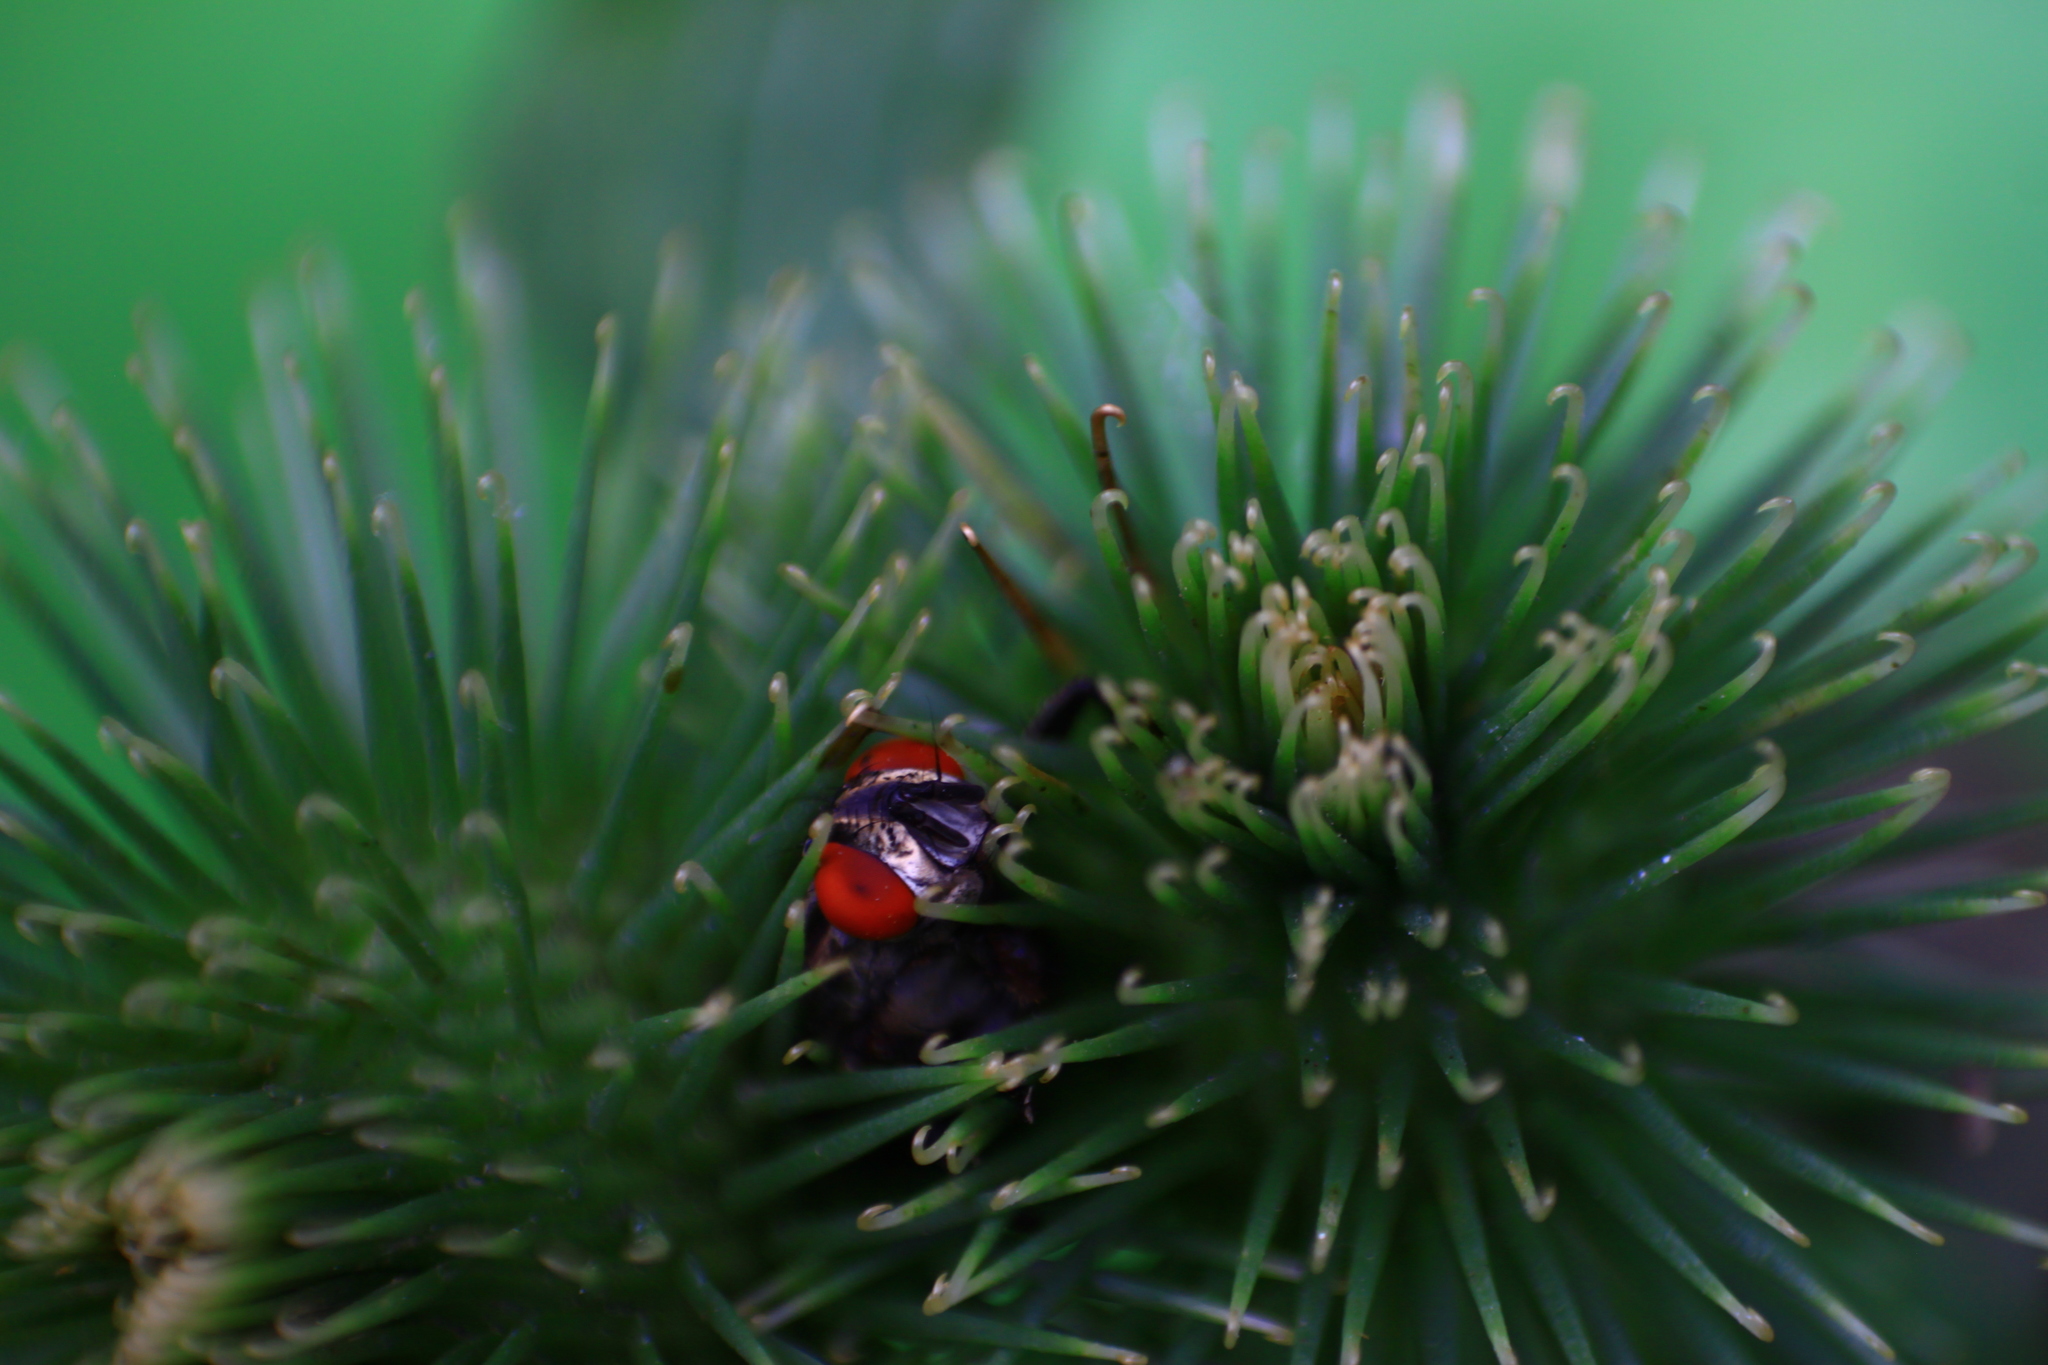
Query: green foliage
(736,133)
(1450,881)
(368,1016)
(1489,812)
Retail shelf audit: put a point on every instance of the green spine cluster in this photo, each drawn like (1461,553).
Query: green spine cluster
(1481,818)
(1448,884)
(360,1009)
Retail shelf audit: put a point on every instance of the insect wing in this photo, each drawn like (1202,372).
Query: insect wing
(945,817)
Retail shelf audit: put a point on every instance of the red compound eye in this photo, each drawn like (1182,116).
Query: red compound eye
(861,896)
(904,753)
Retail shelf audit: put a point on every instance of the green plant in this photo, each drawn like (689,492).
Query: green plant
(359,1008)
(366,1014)
(734,132)
(1465,795)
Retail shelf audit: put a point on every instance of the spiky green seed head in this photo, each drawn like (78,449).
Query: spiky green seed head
(422,987)
(378,993)
(1481,820)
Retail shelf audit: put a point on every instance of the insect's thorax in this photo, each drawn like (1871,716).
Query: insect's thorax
(928,830)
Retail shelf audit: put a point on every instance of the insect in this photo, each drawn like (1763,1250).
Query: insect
(908,826)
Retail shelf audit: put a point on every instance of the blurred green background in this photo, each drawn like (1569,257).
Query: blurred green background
(1920,123)
(180,153)
(183,152)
